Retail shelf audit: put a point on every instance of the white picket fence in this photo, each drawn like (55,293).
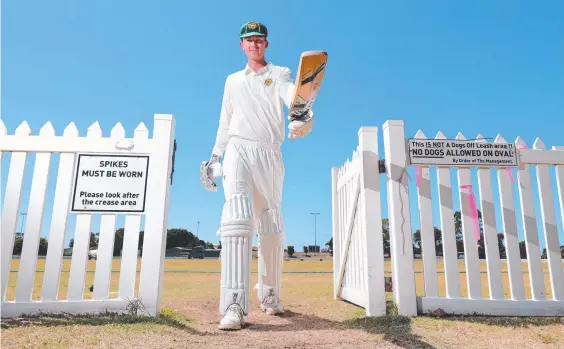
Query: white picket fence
(357,239)
(70,146)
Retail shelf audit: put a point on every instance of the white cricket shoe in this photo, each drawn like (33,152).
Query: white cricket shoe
(271,305)
(234,318)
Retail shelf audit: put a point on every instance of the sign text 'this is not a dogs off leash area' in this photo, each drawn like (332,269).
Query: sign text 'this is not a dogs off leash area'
(110,183)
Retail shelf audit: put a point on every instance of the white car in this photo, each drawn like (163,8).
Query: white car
(93,254)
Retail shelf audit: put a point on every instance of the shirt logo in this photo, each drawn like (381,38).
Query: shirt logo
(268,82)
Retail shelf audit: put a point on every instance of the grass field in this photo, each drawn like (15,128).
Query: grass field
(193,267)
(313,318)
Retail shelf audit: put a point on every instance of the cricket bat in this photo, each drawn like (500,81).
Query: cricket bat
(311,71)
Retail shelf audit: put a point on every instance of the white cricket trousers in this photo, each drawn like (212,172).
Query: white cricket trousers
(253,176)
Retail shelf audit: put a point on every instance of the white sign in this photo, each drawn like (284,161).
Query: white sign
(110,183)
(449,152)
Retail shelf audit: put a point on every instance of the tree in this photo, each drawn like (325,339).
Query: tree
(545,252)
(417,245)
(140,243)
(386,235)
(329,244)
(459,234)
(182,238)
(118,241)
(459,237)
(43,245)
(94,238)
(501,245)
(523,249)
(291,251)
(18,244)
(175,238)
(481,243)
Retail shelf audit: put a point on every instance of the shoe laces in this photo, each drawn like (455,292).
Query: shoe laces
(270,299)
(237,309)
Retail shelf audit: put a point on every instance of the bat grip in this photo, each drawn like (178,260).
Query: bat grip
(299,117)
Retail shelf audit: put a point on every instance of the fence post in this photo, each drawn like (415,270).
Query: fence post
(11,207)
(158,187)
(336,235)
(371,221)
(401,244)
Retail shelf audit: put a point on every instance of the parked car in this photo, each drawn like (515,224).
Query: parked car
(93,254)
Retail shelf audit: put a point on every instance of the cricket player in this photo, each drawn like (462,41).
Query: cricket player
(250,132)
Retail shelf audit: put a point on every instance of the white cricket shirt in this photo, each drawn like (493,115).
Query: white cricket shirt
(253,106)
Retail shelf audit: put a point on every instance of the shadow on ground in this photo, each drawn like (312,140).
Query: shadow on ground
(167,317)
(396,329)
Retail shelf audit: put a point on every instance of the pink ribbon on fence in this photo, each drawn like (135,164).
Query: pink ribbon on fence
(418,176)
(508,170)
(510,174)
(473,210)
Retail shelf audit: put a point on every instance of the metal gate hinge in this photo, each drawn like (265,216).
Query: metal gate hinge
(173,156)
(381,166)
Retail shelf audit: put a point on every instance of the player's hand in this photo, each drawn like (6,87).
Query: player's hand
(209,170)
(301,127)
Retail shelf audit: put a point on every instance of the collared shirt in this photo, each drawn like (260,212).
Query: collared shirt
(253,106)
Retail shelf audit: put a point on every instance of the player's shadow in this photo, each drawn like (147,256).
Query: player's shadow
(396,329)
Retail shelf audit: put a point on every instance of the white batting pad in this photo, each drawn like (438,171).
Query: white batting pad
(271,237)
(236,241)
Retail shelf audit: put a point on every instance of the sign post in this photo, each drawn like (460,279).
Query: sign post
(461,153)
(110,183)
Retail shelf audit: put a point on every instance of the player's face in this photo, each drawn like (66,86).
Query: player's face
(254,47)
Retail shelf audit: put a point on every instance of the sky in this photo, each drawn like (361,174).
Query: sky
(474,67)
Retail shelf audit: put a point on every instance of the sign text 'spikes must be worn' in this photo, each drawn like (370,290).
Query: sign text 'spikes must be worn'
(463,153)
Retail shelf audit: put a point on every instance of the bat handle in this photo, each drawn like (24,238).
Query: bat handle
(299,117)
